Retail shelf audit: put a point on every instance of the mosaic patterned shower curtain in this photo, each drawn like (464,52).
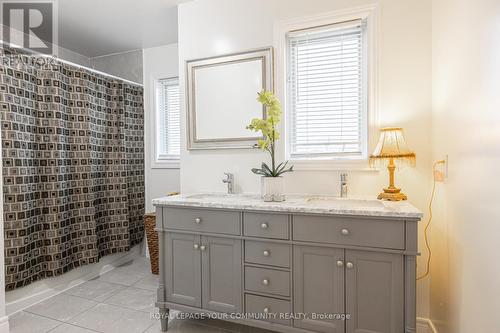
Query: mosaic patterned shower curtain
(73,167)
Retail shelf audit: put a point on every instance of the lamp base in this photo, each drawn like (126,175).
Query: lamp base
(392,194)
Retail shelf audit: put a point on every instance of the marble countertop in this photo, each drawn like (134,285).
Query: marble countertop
(308,204)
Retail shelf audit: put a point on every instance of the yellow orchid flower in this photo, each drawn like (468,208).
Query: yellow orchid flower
(268,129)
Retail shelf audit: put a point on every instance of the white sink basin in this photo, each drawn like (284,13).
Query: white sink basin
(319,202)
(222,196)
(344,202)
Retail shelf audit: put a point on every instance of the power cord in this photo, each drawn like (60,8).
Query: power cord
(427,270)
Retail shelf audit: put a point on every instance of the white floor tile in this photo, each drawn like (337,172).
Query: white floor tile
(126,275)
(110,319)
(227,326)
(184,326)
(66,328)
(25,322)
(134,299)
(141,263)
(61,307)
(108,304)
(150,282)
(96,290)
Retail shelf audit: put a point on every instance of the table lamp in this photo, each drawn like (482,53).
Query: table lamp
(392,147)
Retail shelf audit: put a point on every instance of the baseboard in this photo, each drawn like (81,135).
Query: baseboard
(20,299)
(4,324)
(425,325)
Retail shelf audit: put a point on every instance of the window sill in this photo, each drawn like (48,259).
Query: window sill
(166,164)
(332,165)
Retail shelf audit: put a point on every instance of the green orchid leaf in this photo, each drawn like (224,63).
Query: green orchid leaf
(266,168)
(290,169)
(258,171)
(281,166)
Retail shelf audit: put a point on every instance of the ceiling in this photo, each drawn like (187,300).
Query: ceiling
(99,27)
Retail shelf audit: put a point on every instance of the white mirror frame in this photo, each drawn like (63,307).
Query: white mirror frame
(194,143)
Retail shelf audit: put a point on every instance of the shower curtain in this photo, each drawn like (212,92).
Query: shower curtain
(73,166)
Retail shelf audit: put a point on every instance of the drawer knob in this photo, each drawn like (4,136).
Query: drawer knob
(265,282)
(340,263)
(264,225)
(266,253)
(197,220)
(349,265)
(344,232)
(266,310)
(203,247)
(196,246)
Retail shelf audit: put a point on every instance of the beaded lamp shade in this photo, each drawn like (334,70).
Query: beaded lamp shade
(392,147)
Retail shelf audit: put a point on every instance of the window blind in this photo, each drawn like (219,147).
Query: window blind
(326,90)
(169,119)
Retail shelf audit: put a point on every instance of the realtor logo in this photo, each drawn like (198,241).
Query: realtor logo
(30,25)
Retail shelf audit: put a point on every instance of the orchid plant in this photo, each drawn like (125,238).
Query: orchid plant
(268,129)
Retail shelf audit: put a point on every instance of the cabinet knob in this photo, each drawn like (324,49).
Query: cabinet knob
(264,225)
(196,246)
(265,282)
(197,220)
(203,247)
(349,265)
(266,253)
(344,232)
(340,263)
(266,310)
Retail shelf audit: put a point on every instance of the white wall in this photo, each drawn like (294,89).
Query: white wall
(73,57)
(127,65)
(158,62)
(466,119)
(214,27)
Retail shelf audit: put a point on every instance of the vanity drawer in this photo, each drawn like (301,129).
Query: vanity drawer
(349,231)
(266,253)
(267,281)
(202,220)
(260,304)
(265,225)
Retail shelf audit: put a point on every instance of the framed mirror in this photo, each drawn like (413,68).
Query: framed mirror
(222,98)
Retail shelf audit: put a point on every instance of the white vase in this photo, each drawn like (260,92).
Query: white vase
(273,189)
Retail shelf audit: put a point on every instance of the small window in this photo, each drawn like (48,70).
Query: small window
(327,95)
(168,119)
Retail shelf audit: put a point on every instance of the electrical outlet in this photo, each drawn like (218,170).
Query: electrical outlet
(439,176)
(441,171)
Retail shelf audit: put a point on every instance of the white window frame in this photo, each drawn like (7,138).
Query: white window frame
(167,161)
(369,14)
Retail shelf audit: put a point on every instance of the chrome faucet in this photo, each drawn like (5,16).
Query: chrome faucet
(343,185)
(230,182)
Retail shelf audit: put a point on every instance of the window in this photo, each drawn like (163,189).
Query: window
(168,120)
(327,92)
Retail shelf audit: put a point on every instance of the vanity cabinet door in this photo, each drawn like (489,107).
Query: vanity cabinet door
(319,287)
(374,292)
(183,269)
(221,271)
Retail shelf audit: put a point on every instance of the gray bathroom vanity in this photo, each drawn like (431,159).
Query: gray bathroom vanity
(309,264)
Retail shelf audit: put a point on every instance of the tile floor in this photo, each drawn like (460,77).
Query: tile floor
(119,301)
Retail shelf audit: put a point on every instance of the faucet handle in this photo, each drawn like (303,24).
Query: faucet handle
(229,181)
(343,177)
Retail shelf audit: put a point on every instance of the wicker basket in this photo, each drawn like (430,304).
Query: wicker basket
(152,237)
